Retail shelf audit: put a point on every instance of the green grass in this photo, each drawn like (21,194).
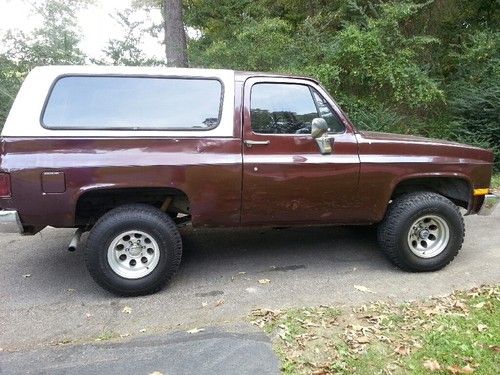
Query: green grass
(467,340)
(495,181)
(456,334)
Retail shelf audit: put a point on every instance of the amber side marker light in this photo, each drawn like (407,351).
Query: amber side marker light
(482,191)
(4,185)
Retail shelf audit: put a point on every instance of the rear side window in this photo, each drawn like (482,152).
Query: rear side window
(139,103)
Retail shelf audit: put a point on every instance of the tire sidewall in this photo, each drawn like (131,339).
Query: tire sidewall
(106,231)
(449,214)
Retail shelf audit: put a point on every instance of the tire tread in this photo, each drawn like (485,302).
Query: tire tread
(398,209)
(114,217)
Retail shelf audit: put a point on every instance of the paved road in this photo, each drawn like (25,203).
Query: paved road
(213,351)
(59,302)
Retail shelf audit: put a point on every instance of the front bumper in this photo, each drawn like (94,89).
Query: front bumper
(10,222)
(489,203)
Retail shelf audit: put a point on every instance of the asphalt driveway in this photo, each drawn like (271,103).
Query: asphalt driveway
(48,298)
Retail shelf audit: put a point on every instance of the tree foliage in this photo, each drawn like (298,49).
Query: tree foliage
(54,42)
(357,50)
(126,50)
(411,66)
(474,94)
(428,67)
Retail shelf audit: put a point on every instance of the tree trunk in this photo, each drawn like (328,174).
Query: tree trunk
(175,36)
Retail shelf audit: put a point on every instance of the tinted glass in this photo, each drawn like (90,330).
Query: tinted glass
(325,111)
(279,108)
(133,103)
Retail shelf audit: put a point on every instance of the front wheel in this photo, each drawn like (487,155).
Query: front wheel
(133,250)
(421,231)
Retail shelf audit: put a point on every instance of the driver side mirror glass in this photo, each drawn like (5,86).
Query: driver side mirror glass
(318,127)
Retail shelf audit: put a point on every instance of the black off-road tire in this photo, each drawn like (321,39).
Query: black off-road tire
(402,213)
(131,217)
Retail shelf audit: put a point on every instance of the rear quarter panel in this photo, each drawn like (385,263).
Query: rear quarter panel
(207,170)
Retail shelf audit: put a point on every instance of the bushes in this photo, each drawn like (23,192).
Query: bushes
(376,117)
(474,94)
(10,81)
(260,46)
(476,116)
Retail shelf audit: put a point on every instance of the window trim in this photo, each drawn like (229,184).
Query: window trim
(334,113)
(290,81)
(133,129)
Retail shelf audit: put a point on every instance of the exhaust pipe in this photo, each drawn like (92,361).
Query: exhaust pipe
(75,240)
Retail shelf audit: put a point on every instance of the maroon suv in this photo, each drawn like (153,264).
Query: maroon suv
(129,154)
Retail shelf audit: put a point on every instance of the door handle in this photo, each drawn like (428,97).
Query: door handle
(250,143)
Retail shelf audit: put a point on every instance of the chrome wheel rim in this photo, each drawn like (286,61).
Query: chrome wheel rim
(133,254)
(428,236)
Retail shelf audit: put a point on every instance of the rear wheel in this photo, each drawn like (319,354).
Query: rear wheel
(421,231)
(133,250)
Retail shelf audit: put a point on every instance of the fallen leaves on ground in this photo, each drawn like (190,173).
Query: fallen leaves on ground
(460,370)
(495,348)
(127,310)
(402,350)
(239,274)
(482,327)
(262,317)
(219,303)
(479,305)
(363,340)
(431,365)
(460,306)
(195,330)
(396,336)
(264,281)
(364,289)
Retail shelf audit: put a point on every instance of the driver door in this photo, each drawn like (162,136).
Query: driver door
(286,179)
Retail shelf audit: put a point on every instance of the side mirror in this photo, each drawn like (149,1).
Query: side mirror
(318,127)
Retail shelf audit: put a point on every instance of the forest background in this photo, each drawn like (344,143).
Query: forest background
(422,67)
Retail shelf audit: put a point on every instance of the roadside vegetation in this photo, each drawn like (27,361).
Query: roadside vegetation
(455,334)
(495,181)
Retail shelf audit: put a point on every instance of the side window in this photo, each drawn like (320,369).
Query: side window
(136,103)
(282,108)
(325,111)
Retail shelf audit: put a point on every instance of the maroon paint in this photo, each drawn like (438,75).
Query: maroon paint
(286,182)
(208,170)
(53,182)
(388,159)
